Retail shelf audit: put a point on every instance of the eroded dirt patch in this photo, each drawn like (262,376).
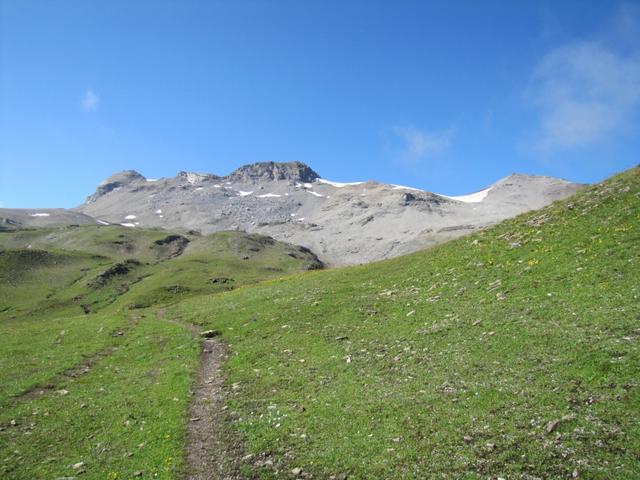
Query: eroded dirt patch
(114,271)
(171,246)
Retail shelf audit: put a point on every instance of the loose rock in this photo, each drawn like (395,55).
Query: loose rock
(552,425)
(210,333)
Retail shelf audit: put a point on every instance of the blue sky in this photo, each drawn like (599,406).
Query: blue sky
(446,96)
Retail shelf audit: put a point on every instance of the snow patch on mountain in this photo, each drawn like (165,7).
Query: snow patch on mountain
(338,184)
(476,197)
(402,187)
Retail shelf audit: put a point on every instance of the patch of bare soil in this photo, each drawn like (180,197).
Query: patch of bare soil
(114,271)
(171,246)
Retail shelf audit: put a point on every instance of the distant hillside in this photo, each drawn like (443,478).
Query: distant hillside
(87,267)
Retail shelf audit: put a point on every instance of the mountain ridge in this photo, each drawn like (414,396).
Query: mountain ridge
(343,223)
(296,171)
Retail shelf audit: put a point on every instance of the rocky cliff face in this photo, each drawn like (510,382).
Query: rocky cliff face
(271,171)
(342,223)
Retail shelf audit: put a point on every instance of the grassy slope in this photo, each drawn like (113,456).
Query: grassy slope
(451,362)
(118,377)
(45,269)
(112,241)
(125,415)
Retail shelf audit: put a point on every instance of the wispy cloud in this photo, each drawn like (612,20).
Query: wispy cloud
(586,92)
(411,144)
(90,101)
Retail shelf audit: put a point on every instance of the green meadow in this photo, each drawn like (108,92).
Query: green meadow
(510,353)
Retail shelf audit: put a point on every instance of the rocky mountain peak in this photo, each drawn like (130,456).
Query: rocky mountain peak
(294,171)
(125,177)
(523,179)
(115,181)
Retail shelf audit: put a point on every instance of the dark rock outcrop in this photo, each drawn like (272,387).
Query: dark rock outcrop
(119,269)
(171,246)
(269,171)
